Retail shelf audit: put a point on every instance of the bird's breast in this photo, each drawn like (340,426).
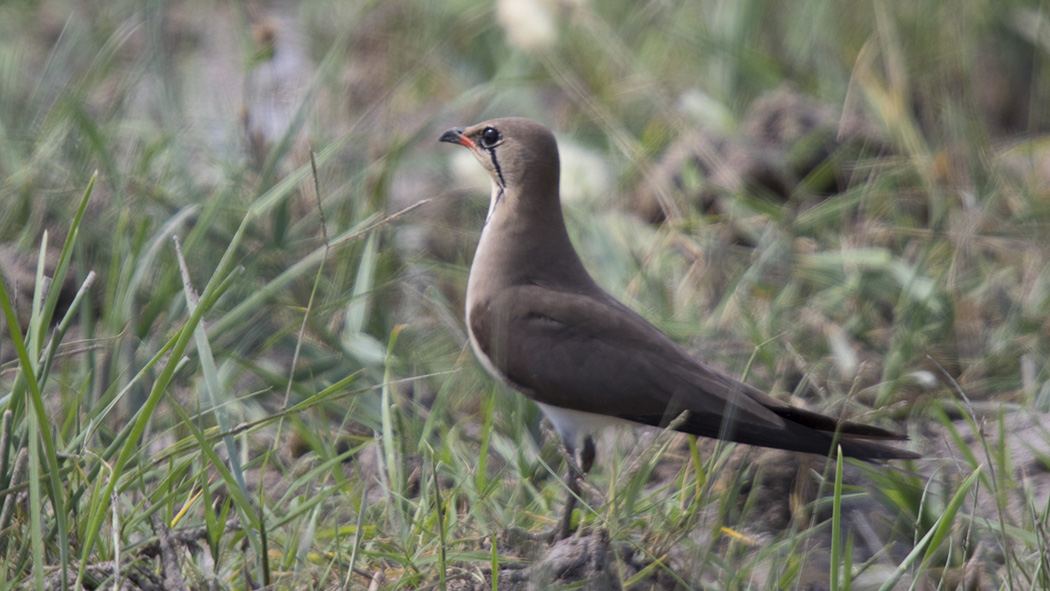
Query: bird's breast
(477,317)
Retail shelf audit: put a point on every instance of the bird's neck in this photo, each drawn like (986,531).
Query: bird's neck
(525,241)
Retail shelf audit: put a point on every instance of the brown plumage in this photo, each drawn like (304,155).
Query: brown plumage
(539,323)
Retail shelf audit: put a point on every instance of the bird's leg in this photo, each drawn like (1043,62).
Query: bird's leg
(587,455)
(572,480)
(575,474)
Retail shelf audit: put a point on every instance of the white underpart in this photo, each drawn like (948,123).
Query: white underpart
(573,425)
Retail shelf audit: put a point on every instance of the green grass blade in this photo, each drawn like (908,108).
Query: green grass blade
(358,309)
(836,521)
(393,471)
(37,525)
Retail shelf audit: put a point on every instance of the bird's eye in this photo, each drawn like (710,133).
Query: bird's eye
(489,137)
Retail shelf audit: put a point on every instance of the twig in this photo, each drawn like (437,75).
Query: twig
(9,501)
(377,579)
(5,439)
(168,561)
(185,537)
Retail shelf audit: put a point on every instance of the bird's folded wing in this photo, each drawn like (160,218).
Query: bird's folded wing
(588,352)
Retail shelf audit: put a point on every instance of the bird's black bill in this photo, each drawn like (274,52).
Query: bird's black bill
(455,136)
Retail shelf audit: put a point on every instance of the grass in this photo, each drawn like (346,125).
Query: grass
(247,362)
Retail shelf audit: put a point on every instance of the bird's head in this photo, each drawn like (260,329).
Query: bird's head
(517,153)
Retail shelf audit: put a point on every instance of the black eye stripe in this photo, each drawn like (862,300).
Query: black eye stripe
(495,164)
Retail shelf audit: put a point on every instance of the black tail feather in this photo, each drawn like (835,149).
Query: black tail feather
(803,431)
(825,423)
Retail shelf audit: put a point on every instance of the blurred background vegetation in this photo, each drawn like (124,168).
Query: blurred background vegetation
(848,203)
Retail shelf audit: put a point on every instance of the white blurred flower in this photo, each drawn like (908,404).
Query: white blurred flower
(584,173)
(842,352)
(705,110)
(924,378)
(528,24)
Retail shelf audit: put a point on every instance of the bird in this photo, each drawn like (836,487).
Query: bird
(539,323)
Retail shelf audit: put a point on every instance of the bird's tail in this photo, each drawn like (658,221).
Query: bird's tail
(863,442)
